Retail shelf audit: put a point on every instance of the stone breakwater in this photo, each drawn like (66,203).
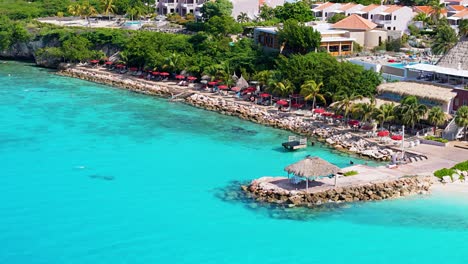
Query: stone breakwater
(296,124)
(261,190)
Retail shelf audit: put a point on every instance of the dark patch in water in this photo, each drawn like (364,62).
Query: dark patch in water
(233,193)
(102,177)
(243,131)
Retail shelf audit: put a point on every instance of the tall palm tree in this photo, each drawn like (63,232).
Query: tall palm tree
(437,8)
(445,39)
(108,6)
(422,17)
(436,116)
(74,9)
(364,110)
(411,111)
(463,28)
(243,18)
(385,113)
(173,62)
(263,77)
(311,90)
(461,118)
(281,88)
(87,10)
(344,101)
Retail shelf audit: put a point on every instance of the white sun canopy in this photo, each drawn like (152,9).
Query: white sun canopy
(438,69)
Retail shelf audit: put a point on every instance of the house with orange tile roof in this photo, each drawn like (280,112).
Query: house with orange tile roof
(456,2)
(454,20)
(324,11)
(428,10)
(368,12)
(345,9)
(362,30)
(395,18)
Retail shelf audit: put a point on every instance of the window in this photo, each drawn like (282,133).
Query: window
(457,101)
(345,47)
(394,28)
(380,40)
(366,16)
(371,16)
(389,28)
(334,48)
(326,14)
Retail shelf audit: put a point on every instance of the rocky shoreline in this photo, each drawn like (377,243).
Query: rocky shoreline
(297,124)
(261,190)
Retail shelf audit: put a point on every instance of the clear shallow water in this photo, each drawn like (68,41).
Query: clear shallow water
(93,174)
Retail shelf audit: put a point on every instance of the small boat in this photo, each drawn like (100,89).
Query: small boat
(294,143)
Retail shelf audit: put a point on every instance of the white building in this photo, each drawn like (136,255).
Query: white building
(395,18)
(183,7)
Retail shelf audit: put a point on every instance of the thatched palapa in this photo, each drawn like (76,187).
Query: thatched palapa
(312,167)
(426,91)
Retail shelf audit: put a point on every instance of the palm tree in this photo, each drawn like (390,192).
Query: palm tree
(344,101)
(411,111)
(461,118)
(135,11)
(436,117)
(87,10)
(282,88)
(173,62)
(364,110)
(311,90)
(463,28)
(108,6)
(243,18)
(422,17)
(385,113)
(263,77)
(74,9)
(437,8)
(446,38)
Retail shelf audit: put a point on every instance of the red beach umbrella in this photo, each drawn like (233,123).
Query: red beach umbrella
(235,89)
(223,87)
(327,114)
(191,78)
(212,83)
(265,95)
(155,73)
(94,61)
(397,137)
(164,73)
(337,116)
(120,66)
(282,103)
(353,123)
(319,110)
(180,77)
(133,69)
(108,63)
(249,90)
(383,133)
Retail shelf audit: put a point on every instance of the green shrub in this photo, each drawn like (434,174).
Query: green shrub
(442,140)
(350,173)
(444,172)
(463,166)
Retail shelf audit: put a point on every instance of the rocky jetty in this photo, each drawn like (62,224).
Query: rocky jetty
(262,191)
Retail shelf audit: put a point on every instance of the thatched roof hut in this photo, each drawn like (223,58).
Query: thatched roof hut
(312,167)
(421,90)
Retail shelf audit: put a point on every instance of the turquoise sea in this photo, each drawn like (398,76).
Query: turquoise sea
(94,174)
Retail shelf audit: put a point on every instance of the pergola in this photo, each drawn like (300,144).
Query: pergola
(458,76)
(312,168)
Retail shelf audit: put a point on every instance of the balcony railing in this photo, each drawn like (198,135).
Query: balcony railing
(382,22)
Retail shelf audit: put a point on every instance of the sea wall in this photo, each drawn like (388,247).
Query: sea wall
(262,192)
